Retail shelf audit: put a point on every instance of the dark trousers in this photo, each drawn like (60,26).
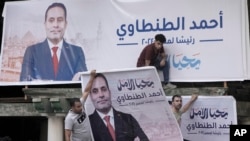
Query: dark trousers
(164,69)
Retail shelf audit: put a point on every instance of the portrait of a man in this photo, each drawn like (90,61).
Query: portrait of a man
(54,58)
(107,123)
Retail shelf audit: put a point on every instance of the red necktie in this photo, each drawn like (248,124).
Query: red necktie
(110,128)
(55,60)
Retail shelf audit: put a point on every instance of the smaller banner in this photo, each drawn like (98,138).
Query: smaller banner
(209,118)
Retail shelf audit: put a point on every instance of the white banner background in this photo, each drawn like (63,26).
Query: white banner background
(206,40)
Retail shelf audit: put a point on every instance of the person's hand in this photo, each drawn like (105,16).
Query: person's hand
(194,97)
(162,63)
(93,73)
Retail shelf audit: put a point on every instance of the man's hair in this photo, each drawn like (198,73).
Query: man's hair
(160,37)
(102,76)
(175,97)
(56,4)
(73,101)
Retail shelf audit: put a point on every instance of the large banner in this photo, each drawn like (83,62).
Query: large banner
(209,118)
(140,109)
(204,43)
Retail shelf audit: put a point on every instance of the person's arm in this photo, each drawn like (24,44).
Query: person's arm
(89,85)
(67,134)
(163,59)
(190,102)
(68,127)
(163,56)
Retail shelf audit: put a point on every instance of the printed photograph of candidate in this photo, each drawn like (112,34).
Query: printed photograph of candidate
(107,123)
(54,58)
(31,38)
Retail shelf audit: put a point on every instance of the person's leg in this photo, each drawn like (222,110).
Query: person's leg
(165,70)
(158,67)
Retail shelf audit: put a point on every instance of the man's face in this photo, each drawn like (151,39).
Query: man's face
(177,103)
(77,108)
(158,45)
(55,24)
(100,95)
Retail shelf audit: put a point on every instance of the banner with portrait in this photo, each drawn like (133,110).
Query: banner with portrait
(209,118)
(137,92)
(203,43)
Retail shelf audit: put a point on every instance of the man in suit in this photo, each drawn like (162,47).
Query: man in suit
(54,58)
(107,123)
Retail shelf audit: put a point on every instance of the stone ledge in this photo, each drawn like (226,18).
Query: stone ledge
(53,92)
(15,100)
(18,109)
(201,91)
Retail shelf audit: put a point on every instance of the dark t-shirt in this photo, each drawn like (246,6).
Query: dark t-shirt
(148,53)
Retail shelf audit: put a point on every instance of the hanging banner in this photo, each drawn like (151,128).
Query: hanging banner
(209,118)
(136,102)
(203,43)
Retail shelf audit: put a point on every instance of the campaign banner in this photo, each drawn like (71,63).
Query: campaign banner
(209,118)
(203,43)
(136,92)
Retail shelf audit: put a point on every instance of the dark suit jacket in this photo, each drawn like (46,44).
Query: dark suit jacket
(126,128)
(38,64)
